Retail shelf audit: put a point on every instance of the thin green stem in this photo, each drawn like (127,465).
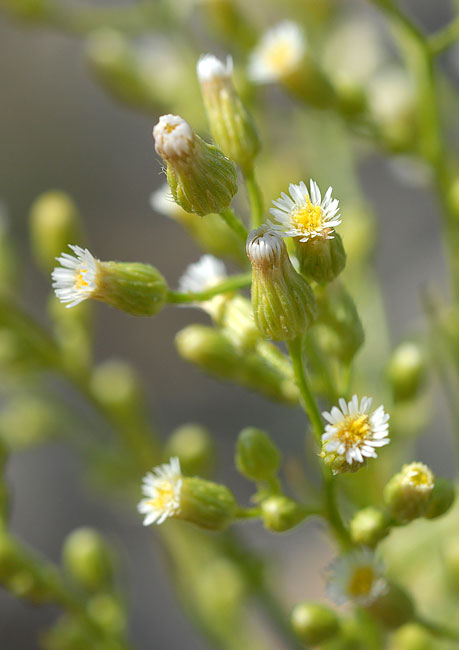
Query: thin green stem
(331,509)
(231,284)
(255,199)
(248,513)
(295,349)
(444,38)
(234,223)
(438,629)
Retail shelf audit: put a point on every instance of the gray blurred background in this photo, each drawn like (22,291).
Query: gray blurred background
(59,130)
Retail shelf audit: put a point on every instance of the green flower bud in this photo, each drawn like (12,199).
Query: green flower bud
(169,494)
(26,421)
(231,126)
(441,498)
(54,222)
(393,608)
(406,370)
(88,559)
(202,180)
(194,447)
(116,385)
(283,303)
(314,623)
(257,457)
(212,351)
(338,327)
(138,289)
(106,611)
(408,493)
(411,637)
(369,526)
(279,513)
(73,334)
(321,260)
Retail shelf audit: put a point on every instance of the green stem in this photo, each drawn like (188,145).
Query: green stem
(438,629)
(231,284)
(234,223)
(295,349)
(331,509)
(255,199)
(248,513)
(444,38)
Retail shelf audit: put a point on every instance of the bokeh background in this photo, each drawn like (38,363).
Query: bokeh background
(58,129)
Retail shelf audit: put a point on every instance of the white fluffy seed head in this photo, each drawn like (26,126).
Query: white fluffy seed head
(174,137)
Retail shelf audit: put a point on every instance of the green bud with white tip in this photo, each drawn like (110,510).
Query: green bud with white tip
(279,513)
(231,126)
(314,623)
(201,178)
(283,302)
(257,457)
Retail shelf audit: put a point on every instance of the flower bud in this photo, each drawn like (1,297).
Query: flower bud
(116,385)
(239,324)
(369,526)
(408,493)
(321,260)
(257,457)
(314,623)
(338,326)
(231,126)
(406,370)
(107,612)
(87,559)
(283,303)
(212,351)
(73,334)
(54,222)
(411,637)
(394,607)
(138,289)
(202,180)
(26,421)
(279,513)
(194,447)
(441,498)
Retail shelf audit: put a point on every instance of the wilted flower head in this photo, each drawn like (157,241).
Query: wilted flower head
(304,214)
(278,53)
(161,488)
(76,279)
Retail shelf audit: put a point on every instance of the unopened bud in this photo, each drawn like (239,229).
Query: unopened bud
(194,447)
(411,637)
(321,259)
(87,559)
(116,385)
(202,180)
(257,457)
(26,421)
(441,498)
(283,302)
(279,513)
(138,289)
(314,623)
(54,222)
(369,526)
(231,126)
(208,505)
(406,370)
(393,608)
(106,611)
(408,493)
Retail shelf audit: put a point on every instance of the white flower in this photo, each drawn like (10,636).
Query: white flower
(264,246)
(279,52)
(161,487)
(162,201)
(353,432)
(306,215)
(205,274)
(174,137)
(209,68)
(76,279)
(357,576)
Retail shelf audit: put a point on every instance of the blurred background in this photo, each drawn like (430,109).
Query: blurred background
(59,129)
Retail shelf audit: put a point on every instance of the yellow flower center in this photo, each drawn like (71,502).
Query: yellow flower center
(354,429)
(278,57)
(420,476)
(170,127)
(309,218)
(361,581)
(80,280)
(164,495)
